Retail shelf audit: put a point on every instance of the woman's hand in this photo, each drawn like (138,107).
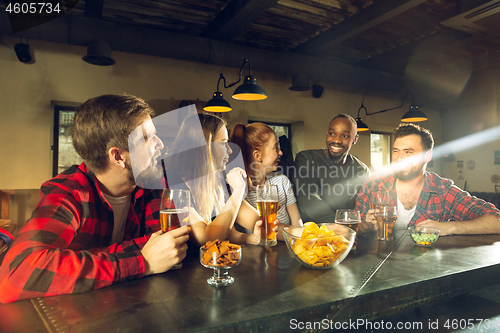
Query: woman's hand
(237,178)
(254,239)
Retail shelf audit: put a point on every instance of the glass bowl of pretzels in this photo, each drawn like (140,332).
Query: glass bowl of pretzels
(220,256)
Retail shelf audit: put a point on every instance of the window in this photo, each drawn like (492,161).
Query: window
(64,154)
(380,150)
(278,128)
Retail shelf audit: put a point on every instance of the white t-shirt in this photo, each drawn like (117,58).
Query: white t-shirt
(285,194)
(120,206)
(404,216)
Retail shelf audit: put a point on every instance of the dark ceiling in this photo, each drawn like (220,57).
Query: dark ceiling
(353,36)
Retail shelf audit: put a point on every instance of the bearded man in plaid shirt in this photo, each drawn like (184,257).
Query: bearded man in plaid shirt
(94,227)
(423,197)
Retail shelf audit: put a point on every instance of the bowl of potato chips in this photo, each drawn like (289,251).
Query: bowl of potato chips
(319,246)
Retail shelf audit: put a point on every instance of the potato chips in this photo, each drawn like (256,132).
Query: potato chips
(319,246)
(220,254)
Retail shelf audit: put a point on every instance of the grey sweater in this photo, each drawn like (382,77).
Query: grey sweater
(323,186)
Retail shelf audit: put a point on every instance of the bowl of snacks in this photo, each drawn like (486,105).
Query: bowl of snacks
(319,246)
(423,236)
(220,256)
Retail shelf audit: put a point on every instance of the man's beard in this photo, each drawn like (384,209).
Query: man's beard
(148,178)
(413,173)
(336,159)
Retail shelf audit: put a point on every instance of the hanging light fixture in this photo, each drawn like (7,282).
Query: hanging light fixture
(414,115)
(362,127)
(218,103)
(249,90)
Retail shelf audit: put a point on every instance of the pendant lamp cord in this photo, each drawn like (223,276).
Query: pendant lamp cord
(372,113)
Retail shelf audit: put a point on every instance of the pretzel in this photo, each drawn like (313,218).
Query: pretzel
(220,254)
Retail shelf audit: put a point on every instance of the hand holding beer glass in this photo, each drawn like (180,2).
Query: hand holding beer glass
(349,218)
(267,205)
(174,210)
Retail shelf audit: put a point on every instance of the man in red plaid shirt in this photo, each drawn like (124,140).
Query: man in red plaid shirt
(94,227)
(422,197)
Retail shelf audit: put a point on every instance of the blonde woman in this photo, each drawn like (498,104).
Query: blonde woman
(198,164)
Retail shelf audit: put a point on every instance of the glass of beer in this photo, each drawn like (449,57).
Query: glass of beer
(267,205)
(349,218)
(386,217)
(174,210)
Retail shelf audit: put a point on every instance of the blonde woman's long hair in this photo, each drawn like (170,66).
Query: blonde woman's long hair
(194,161)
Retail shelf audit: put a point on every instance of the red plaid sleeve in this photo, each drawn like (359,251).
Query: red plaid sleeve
(439,200)
(64,248)
(363,200)
(462,206)
(442,201)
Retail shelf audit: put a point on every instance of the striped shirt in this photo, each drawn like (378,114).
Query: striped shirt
(285,195)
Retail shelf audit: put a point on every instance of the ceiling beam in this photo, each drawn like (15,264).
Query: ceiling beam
(356,24)
(443,41)
(235,17)
(93,9)
(79,30)
(402,54)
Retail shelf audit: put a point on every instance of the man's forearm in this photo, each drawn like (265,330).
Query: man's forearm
(485,224)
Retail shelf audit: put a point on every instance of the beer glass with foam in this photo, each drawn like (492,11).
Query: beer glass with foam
(386,216)
(349,218)
(267,205)
(174,210)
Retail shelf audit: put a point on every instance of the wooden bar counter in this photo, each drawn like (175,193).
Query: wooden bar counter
(272,291)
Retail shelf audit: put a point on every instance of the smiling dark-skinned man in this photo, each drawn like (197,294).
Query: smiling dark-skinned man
(328,179)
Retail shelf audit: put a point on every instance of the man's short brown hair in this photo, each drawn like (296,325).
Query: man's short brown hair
(406,129)
(103,122)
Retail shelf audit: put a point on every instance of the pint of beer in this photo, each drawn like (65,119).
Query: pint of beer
(267,205)
(379,198)
(174,210)
(173,218)
(386,217)
(348,217)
